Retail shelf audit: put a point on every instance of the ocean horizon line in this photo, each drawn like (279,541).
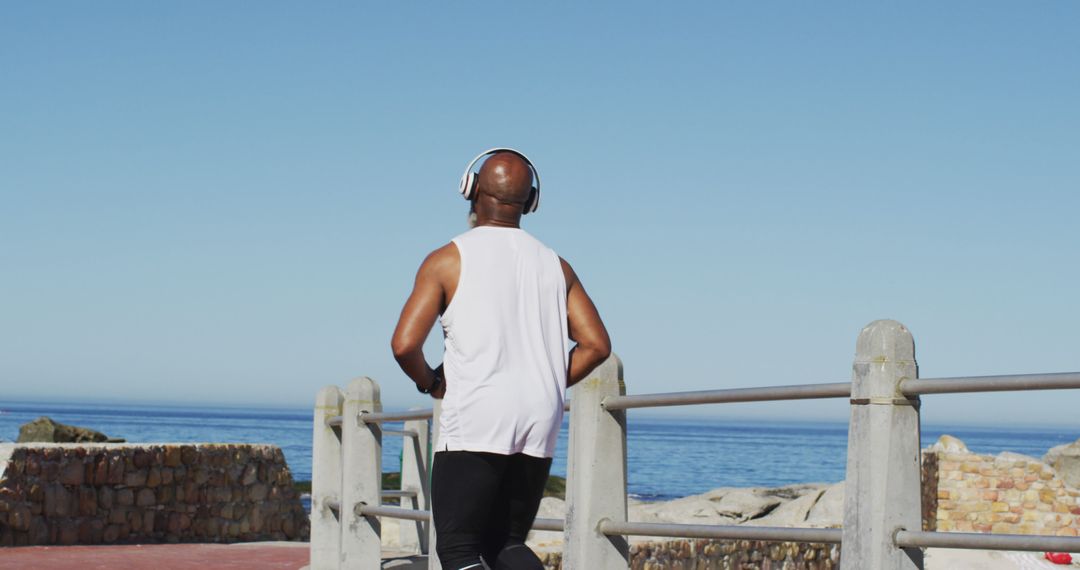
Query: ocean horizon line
(298,412)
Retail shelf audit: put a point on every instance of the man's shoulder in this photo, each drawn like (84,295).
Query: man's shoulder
(444,254)
(441,263)
(538,242)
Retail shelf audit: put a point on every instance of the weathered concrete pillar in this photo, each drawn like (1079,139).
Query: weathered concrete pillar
(361,545)
(414,477)
(325,481)
(433,557)
(596,473)
(882,494)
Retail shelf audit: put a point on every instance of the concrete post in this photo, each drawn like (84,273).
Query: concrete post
(361,545)
(882,491)
(414,477)
(433,556)
(596,473)
(325,482)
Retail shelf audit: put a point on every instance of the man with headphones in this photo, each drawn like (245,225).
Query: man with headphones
(509,308)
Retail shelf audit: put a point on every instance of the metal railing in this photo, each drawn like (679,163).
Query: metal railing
(882,514)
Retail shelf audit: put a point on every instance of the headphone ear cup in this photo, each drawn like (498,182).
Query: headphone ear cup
(533,202)
(468,185)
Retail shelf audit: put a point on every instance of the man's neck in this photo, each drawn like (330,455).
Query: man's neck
(498,223)
(497,214)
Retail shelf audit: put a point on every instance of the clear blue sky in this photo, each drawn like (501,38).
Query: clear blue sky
(227,202)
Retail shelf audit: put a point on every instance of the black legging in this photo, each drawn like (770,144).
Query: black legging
(484,505)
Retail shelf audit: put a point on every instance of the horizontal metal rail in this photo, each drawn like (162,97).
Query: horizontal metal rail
(1005,383)
(397,494)
(334,421)
(392,512)
(971,540)
(334,505)
(549,524)
(380,417)
(799,392)
(404,432)
(417,515)
(766,533)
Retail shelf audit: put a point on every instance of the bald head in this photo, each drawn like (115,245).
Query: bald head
(506,177)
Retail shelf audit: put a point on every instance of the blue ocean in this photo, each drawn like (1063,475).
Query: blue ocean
(666,458)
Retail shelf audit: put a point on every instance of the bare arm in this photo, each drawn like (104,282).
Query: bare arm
(423,307)
(586,329)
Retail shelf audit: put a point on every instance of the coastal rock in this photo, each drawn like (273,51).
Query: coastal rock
(828,511)
(1065,459)
(1012,457)
(948,444)
(791,513)
(804,505)
(45,430)
(745,504)
(695,509)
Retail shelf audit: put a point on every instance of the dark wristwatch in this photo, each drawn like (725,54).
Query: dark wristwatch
(434,385)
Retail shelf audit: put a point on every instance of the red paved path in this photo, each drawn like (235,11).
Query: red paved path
(272,556)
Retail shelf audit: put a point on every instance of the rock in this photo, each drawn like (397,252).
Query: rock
(39,531)
(105,497)
(1010,457)
(145,498)
(72,473)
(69,533)
(112,533)
(250,476)
(116,470)
(142,459)
(88,501)
(148,522)
(1065,459)
(791,513)
(258,492)
(19,519)
(166,495)
(135,478)
(125,497)
(101,472)
(745,504)
(188,455)
(174,523)
(46,430)
(829,509)
(172,456)
(949,444)
(57,501)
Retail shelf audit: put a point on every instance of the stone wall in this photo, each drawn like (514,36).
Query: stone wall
(723,555)
(1007,493)
(127,493)
(929,489)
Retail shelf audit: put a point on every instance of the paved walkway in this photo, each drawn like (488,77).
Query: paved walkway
(241,556)
(294,555)
(263,555)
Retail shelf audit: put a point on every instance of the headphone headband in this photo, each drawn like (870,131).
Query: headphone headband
(469,179)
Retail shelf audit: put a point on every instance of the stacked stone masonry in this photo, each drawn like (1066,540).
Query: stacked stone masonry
(724,555)
(1008,493)
(124,493)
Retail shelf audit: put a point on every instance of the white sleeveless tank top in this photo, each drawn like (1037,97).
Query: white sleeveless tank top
(506,346)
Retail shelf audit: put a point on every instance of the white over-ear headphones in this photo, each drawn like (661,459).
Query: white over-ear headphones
(469,179)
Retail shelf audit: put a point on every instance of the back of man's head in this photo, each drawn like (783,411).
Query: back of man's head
(506,177)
